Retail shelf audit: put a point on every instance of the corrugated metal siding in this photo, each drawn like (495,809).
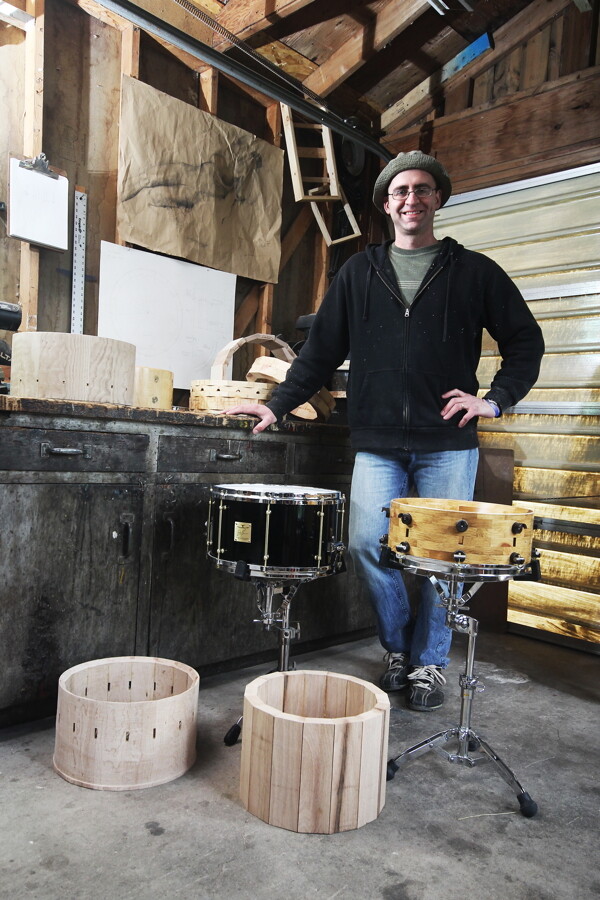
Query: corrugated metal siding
(547,237)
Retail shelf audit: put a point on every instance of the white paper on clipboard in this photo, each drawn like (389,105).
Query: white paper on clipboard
(38,206)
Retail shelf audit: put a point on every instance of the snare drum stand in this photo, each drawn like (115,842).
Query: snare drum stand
(267,588)
(465,740)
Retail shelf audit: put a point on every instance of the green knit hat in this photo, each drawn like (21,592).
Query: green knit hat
(414,159)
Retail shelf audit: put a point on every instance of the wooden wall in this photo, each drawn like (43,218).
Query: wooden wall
(85,51)
(528,107)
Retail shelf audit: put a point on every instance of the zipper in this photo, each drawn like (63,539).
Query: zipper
(407,307)
(392,292)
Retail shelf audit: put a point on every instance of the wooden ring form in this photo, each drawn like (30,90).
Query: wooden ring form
(126,722)
(314,751)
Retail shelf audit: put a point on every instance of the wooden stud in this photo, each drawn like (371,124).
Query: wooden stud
(320,271)
(264,313)
(32,147)
(208,92)
(130,51)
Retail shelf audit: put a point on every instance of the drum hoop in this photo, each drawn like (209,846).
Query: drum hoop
(331,498)
(277,572)
(458,571)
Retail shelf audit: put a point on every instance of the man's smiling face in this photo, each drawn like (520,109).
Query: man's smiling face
(412,217)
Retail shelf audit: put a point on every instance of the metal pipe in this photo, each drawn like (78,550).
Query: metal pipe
(157,27)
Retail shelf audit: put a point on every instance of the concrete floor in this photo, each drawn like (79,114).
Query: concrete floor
(446,831)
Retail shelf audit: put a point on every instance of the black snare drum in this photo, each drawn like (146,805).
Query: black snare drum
(276,531)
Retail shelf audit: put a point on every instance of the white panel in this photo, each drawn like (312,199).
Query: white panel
(177,314)
(38,207)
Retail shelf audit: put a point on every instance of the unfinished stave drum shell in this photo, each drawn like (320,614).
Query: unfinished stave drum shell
(314,751)
(487,533)
(49,365)
(126,722)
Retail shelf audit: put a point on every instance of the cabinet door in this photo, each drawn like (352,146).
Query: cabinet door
(198,615)
(69,571)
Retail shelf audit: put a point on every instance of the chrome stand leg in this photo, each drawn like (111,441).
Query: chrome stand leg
(462,737)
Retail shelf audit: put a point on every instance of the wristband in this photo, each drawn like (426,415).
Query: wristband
(494,406)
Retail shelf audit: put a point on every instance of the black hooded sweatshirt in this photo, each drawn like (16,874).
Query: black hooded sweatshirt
(403,358)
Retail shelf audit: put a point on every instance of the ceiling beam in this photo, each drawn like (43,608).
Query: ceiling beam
(247,17)
(367,39)
(427,88)
(516,31)
(266,84)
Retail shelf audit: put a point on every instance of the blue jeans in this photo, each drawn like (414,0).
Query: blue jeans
(377,479)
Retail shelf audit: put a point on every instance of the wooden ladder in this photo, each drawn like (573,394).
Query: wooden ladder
(319,184)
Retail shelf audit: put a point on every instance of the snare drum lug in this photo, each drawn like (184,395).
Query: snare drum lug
(406,518)
(242,570)
(459,556)
(516,559)
(462,525)
(384,539)
(386,510)
(518,527)
(403,547)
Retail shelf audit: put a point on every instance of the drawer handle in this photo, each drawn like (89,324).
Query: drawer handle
(225,457)
(46,450)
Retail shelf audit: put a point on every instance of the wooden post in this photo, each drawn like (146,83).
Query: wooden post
(130,65)
(130,51)
(32,147)
(320,271)
(208,88)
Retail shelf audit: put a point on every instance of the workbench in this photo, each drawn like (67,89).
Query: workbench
(103,513)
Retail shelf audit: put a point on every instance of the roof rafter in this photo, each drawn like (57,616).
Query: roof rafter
(247,17)
(514,32)
(368,38)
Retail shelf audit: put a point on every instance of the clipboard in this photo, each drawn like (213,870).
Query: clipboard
(38,202)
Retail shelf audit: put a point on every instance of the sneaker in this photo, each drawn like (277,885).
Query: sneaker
(395,676)
(425,690)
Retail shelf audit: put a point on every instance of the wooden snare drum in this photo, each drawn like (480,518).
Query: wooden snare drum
(461,531)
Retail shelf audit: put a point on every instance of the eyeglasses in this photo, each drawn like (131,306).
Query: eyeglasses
(423,190)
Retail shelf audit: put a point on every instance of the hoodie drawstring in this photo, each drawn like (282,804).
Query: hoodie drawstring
(447,299)
(367,293)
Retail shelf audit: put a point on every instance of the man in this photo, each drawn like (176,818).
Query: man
(411,313)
